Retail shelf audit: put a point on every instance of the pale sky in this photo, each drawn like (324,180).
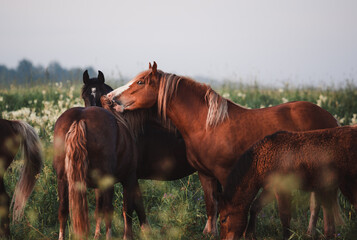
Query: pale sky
(275,41)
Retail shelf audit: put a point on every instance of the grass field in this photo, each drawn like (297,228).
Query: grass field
(175,209)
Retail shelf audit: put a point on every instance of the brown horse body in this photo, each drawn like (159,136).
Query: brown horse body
(13,136)
(319,161)
(92,149)
(216,131)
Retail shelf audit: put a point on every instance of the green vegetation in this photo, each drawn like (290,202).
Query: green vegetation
(175,209)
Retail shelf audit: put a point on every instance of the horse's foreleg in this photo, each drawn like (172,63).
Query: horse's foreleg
(314,214)
(284,206)
(139,207)
(128,205)
(4,205)
(63,207)
(210,190)
(264,198)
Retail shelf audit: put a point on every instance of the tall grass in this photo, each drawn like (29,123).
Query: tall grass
(175,209)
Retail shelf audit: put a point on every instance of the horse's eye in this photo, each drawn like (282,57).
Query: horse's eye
(140,82)
(224,220)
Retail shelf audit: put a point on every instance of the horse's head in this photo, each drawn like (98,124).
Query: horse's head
(140,92)
(232,220)
(93,89)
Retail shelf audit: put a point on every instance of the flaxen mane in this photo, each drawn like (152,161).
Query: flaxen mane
(217,105)
(217,108)
(167,89)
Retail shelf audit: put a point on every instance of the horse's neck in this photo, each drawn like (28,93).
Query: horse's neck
(187,109)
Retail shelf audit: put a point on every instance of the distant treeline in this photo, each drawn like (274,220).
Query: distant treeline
(27,73)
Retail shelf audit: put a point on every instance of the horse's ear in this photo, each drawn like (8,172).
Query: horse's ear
(154,68)
(85,77)
(150,66)
(101,77)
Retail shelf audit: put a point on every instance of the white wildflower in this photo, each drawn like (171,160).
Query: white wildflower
(322,99)
(226,95)
(241,95)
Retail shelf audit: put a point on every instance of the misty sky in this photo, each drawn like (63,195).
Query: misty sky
(275,41)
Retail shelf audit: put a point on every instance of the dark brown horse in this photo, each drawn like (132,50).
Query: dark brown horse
(321,161)
(92,149)
(15,135)
(216,131)
(162,153)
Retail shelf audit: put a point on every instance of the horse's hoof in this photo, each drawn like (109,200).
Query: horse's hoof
(211,232)
(145,228)
(250,236)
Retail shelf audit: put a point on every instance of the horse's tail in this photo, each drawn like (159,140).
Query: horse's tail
(336,209)
(76,165)
(31,148)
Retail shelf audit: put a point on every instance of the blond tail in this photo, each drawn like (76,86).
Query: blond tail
(32,152)
(76,164)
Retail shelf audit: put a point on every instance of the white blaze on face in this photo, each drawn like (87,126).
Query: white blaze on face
(94,90)
(118,91)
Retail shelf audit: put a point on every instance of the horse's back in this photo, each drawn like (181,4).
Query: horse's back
(291,116)
(307,116)
(318,152)
(6,128)
(9,144)
(95,117)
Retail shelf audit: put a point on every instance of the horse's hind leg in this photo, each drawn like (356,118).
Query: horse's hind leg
(4,207)
(104,209)
(328,200)
(284,206)
(314,214)
(98,212)
(349,190)
(264,198)
(63,208)
(210,187)
(108,211)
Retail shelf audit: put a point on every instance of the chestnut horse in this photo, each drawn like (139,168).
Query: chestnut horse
(321,161)
(216,131)
(162,153)
(17,135)
(92,149)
